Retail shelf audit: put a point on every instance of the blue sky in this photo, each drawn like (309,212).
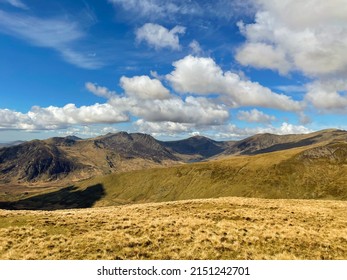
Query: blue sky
(226,69)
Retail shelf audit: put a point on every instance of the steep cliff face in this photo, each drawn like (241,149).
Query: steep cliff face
(34,161)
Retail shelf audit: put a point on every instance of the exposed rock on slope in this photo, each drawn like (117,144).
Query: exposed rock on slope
(135,145)
(34,161)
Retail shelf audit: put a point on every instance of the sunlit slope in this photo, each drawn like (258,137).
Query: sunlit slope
(224,228)
(316,173)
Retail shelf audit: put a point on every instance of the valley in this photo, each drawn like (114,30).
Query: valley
(129,196)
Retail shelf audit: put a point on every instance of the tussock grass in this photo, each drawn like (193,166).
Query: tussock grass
(223,228)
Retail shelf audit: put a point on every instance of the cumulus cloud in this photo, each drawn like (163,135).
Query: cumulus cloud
(328,95)
(314,43)
(52,117)
(166,128)
(232,131)
(261,55)
(100,91)
(200,111)
(15,120)
(143,98)
(144,87)
(200,75)
(159,37)
(255,116)
(87,130)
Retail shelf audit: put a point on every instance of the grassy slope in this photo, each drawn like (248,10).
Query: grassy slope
(224,228)
(272,175)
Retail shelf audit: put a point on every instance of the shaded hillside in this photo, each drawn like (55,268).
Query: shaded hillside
(33,161)
(197,147)
(64,198)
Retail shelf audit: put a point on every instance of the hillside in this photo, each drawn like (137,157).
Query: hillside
(224,228)
(264,143)
(314,173)
(317,172)
(63,160)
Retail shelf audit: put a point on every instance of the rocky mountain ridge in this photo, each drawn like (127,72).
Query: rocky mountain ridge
(71,158)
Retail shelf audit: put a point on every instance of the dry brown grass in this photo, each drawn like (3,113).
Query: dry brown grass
(224,228)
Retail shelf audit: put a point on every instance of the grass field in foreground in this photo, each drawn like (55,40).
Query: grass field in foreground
(223,228)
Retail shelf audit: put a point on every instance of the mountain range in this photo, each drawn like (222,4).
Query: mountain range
(122,168)
(71,158)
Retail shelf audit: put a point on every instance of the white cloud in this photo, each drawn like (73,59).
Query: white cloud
(17,4)
(228,131)
(195,47)
(86,131)
(175,10)
(255,116)
(100,91)
(155,75)
(313,43)
(144,87)
(200,111)
(14,120)
(232,131)
(199,75)
(59,34)
(328,95)
(261,55)
(156,9)
(165,128)
(160,37)
(70,114)
(287,128)
(292,88)
(144,98)
(79,59)
(108,129)
(51,117)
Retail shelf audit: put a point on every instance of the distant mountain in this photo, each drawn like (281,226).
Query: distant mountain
(9,144)
(197,147)
(135,145)
(66,159)
(265,143)
(71,158)
(34,160)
